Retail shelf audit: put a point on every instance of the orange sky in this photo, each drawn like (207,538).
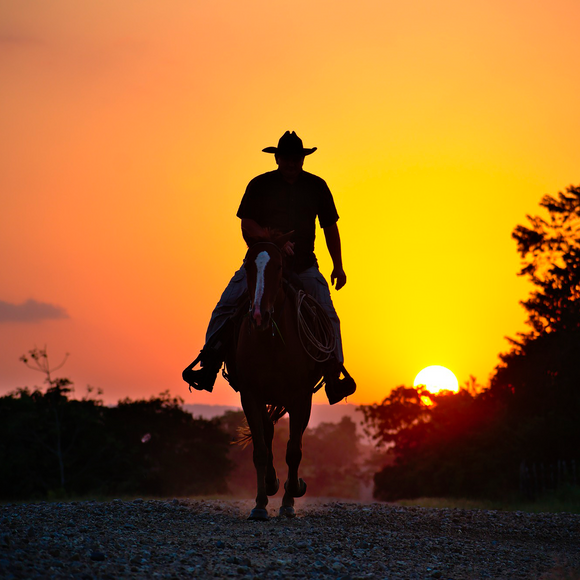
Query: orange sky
(130,130)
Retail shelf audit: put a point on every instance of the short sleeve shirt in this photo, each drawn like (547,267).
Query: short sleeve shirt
(272,202)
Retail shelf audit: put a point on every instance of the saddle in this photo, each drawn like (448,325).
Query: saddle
(315,331)
(314,327)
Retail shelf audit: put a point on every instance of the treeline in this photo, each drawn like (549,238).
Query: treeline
(335,463)
(475,442)
(53,445)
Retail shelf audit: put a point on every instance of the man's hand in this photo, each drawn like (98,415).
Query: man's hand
(333,243)
(288,248)
(339,275)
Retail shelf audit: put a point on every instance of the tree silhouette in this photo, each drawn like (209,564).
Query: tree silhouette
(52,445)
(331,463)
(473,442)
(160,449)
(550,250)
(440,444)
(404,409)
(539,377)
(332,459)
(46,438)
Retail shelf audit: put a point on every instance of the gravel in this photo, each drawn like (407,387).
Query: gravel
(183,538)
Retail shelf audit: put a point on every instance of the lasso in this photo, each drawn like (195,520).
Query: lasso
(314,328)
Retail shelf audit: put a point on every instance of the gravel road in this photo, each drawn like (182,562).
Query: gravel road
(213,539)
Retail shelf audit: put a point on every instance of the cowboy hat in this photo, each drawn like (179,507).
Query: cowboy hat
(289,144)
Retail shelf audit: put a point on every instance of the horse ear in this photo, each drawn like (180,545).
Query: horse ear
(281,240)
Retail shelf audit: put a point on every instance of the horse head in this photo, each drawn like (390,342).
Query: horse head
(263,263)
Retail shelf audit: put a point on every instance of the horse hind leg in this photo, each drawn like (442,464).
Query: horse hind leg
(295,486)
(271,481)
(272,485)
(260,456)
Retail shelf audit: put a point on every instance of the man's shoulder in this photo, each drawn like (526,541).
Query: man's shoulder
(267,182)
(314,180)
(267,177)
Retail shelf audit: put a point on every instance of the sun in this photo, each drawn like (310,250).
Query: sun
(437,378)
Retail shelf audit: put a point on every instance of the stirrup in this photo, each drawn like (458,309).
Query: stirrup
(202,379)
(337,388)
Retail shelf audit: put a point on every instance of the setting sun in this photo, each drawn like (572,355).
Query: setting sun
(436,378)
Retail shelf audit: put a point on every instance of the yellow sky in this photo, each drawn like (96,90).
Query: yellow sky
(130,130)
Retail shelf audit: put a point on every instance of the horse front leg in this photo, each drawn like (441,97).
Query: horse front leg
(272,482)
(295,486)
(253,412)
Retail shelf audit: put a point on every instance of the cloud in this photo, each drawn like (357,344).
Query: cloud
(30,311)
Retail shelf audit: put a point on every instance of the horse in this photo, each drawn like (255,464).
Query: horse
(274,372)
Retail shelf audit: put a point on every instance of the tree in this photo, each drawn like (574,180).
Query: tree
(540,376)
(330,463)
(441,444)
(56,392)
(550,250)
(404,409)
(161,449)
(52,445)
(473,442)
(47,439)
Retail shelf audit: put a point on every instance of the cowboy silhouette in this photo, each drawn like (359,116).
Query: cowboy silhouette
(287,199)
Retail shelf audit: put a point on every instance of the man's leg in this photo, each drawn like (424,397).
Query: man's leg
(211,356)
(315,285)
(336,388)
(227,304)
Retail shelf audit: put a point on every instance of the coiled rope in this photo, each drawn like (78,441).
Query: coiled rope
(314,328)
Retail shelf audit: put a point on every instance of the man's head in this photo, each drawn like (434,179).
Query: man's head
(290,155)
(290,166)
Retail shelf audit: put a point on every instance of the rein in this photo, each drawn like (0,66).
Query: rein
(278,331)
(314,326)
(275,327)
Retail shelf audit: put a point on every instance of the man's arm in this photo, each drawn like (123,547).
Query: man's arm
(252,230)
(333,244)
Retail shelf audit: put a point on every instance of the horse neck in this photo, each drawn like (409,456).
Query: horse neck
(281,301)
(284,315)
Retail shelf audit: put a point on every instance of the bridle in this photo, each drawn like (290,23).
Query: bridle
(255,248)
(264,244)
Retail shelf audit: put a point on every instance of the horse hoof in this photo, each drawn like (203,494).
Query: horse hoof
(301,488)
(287,511)
(273,487)
(258,515)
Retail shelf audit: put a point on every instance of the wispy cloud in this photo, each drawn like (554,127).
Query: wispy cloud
(30,311)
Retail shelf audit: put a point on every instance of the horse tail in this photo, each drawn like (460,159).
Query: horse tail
(275,413)
(244,436)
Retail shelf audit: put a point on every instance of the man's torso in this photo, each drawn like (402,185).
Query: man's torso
(274,203)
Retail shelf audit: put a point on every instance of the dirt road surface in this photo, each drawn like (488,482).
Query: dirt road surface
(182,538)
